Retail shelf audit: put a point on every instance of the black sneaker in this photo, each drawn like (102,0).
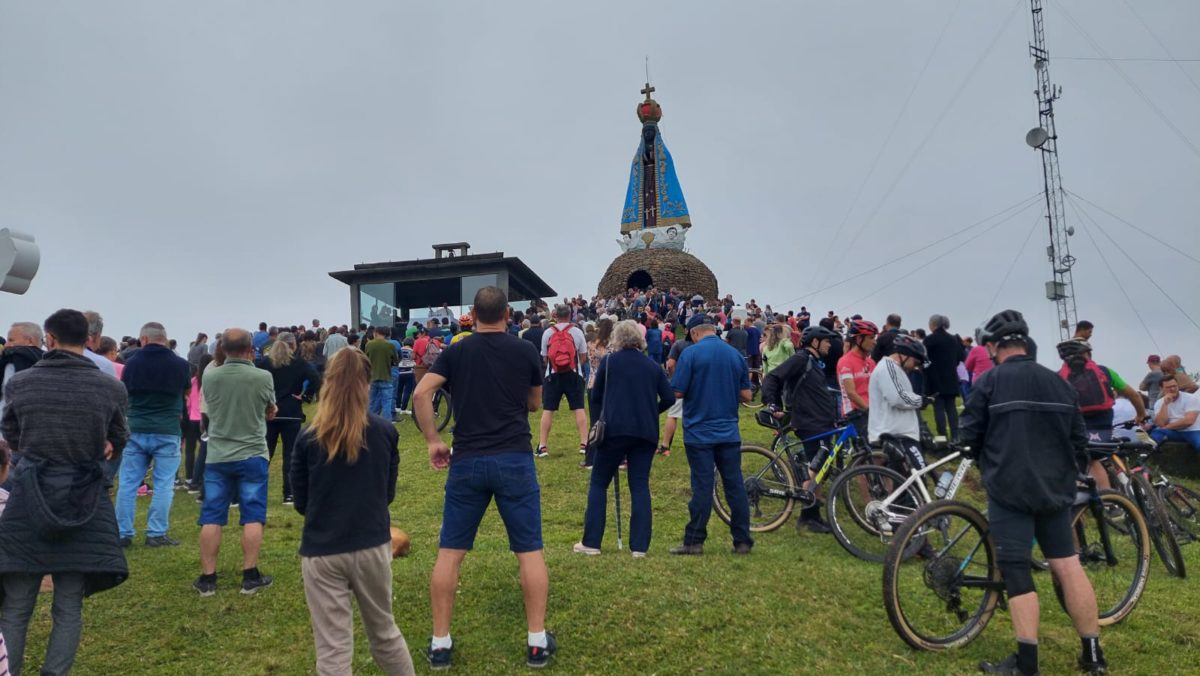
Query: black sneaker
(251,585)
(288,500)
(538,657)
(541,452)
(814,525)
(1093,668)
(439,659)
(742,548)
(126,543)
(1007,667)
(161,541)
(206,587)
(687,550)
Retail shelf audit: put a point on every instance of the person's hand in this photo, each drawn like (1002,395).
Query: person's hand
(439,454)
(271,411)
(1170,397)
(108,450)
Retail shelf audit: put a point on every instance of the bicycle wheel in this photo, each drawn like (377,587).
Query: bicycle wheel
(1118,582)
(756,401)
(1158,522)
(1183,504)
(770,490)
(441,410)
(860,523)
(946,598)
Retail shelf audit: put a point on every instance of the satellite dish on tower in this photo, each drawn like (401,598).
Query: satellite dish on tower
(1037,137)
(19,260)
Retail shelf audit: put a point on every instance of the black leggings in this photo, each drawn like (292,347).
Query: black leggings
(288,430)
(191,439)
(945,408)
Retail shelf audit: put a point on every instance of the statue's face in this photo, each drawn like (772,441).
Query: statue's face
(672,233)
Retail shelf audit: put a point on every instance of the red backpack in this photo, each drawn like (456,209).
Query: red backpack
(1093,386)
(560,350)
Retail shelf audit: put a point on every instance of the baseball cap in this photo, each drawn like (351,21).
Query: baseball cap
(697,320)
(1153,359)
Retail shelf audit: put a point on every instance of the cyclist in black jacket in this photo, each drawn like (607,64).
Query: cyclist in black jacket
(1023,422)
(799,386)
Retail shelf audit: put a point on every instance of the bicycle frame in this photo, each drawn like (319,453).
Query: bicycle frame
(847,436)
(916,475)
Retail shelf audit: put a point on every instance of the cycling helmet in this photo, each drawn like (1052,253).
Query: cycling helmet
(1005,325)
(465,322)
(862,327)
(1069,349)
(815,333)
(910,347)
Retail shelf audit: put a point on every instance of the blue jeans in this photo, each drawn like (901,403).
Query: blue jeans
(725,458)
(474,480)
(142,449)
(607,461)
(1191,438)
(383,393)
(405,384)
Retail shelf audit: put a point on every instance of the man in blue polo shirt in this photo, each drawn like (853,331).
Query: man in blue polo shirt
(711,377)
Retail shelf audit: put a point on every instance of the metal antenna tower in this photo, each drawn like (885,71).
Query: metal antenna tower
(1044,137)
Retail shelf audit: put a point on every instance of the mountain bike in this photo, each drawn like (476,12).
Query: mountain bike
(1183,504)
(770,476)
(1135,482)
(868,503)
(946,598)
(441,409)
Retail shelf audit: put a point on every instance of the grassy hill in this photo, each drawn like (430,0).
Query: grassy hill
(798,604)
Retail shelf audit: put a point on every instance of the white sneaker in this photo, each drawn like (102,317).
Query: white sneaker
(579,548)
(639,555)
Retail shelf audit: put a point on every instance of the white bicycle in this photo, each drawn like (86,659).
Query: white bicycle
(868,503)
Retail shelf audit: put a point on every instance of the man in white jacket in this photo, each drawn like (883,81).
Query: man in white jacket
(894,405)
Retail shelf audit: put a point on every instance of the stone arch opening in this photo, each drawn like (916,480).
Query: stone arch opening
(640,280)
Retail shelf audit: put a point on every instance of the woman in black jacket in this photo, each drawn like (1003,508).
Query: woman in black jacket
(290,374)
(941,376)
(345,478)
(629,393)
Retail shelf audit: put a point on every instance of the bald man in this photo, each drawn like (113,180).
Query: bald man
(241,399)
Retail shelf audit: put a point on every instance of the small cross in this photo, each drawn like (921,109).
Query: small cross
(648,91)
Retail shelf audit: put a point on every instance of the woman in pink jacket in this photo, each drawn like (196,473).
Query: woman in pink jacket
(978,362)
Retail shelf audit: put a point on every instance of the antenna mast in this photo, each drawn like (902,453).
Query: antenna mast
(1044,137)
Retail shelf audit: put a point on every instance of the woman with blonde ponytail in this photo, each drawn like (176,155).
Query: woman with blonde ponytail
(344,477)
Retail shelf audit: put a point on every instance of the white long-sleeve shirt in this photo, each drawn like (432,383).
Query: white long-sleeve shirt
(894,405)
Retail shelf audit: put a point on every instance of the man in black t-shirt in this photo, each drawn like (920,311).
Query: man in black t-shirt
(495,382)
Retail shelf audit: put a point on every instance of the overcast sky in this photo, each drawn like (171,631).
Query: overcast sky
(205,164)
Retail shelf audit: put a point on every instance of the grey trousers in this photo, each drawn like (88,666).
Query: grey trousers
(328,584)
(20,598)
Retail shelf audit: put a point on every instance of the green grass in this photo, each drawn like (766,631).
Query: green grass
(798,604)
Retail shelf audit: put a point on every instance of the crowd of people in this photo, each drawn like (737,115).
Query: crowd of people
(85,414)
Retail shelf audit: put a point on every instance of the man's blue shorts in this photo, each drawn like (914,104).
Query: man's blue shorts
(474,481)
(247,479)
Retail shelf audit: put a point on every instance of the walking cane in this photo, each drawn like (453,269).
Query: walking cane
(617,495)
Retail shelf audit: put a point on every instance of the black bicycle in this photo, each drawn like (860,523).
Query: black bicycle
(945,598)
(1125,463)
(441,409)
